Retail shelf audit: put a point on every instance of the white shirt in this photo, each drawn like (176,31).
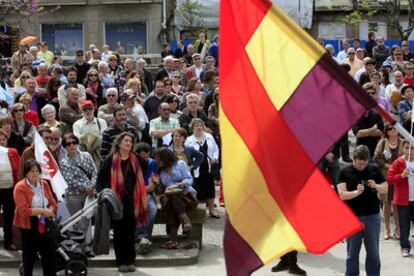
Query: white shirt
(198,71)
(105,56)
(358,74)
(341,56)
(82,126)
(391,88)
(411,188)
(6,172)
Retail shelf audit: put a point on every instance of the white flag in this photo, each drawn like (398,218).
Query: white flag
(50,169)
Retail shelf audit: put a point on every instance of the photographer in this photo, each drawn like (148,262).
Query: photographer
(359,185)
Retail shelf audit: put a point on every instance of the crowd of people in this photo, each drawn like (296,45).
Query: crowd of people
(109,122)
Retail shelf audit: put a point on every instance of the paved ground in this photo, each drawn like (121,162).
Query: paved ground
(212,262)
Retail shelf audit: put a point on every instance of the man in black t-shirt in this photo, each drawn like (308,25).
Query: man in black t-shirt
(359,185)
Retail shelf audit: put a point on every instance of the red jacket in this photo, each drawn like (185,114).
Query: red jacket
(401,191)
(32,117)
(14,159)
(23,196)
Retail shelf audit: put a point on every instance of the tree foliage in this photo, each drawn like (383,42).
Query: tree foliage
(394,11)
(17,13)
(192,13)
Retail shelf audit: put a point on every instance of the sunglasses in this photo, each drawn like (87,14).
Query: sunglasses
(93,75)
(112,59)
(176,77)
(71,143)
(24,77)
(80,55)
(197,58)
(372,93)
(87,109)
(391,128)
(18,110)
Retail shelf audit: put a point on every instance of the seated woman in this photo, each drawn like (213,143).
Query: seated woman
(192,157)
(177,195)
(34,202)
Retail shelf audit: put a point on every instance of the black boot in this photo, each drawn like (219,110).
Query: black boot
(296,270)
(281,266)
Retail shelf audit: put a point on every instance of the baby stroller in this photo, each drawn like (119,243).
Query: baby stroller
(74,263)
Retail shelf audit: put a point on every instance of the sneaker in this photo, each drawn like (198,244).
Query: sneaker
(281,266)
(122,268)
(296,270)
(405,252)
(144,246)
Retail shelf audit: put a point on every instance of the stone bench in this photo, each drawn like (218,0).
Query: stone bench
(197,217)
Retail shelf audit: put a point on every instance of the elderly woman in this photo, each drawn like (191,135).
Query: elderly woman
(29,115)
(387,151)
(49,114)
(20,83)
(34,204)
(121,172)
(24,128)
(9,169)
(134,84)
(106,79)
(204,182)
(177,195)
(94,88)
(79,171)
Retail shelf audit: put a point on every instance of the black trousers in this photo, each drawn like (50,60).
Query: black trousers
(33,243)
(7,203)
(124,240)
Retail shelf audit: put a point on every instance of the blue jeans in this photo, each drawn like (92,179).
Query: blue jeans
(146,230)
(405,217)
(370,235)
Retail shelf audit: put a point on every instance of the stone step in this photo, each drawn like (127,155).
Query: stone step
(158,257)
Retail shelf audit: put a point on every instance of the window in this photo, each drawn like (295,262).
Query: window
(332,30)
(380,28)
(63,39)
(127,38)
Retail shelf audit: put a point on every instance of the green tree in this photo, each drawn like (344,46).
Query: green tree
(192,13)
(17,13)
(394,11)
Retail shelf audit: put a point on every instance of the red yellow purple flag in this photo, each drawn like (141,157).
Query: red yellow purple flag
(284,103)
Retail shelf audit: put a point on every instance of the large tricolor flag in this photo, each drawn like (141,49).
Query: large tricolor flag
(284,103)
(50,169)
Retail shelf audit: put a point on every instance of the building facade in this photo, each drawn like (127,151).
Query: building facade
(129,26)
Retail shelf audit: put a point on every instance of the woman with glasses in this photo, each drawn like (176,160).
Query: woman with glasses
(20,125)
(176,87)
(167,85)
(79,171)
(20,83)
(389,148)
(174,102)
(29,115)
(93,88)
